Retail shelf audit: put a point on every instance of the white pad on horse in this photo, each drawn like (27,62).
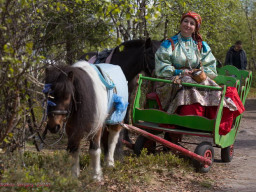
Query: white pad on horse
(114,74)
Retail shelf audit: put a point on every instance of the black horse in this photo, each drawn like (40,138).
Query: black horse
(134,57)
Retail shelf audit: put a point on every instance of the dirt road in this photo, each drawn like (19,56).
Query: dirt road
(242,174)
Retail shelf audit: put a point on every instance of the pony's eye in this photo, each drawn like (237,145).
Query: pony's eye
(66,97)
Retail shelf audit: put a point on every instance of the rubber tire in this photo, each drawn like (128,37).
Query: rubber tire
(227,154)
(143,142)
(202,149)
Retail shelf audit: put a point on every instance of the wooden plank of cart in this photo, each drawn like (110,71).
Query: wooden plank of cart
(147,118)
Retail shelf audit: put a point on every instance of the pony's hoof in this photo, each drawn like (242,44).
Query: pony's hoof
(75,174)
(110,164)
(97,177)
(75,171)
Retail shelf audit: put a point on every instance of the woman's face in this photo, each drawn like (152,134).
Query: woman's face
(187,27)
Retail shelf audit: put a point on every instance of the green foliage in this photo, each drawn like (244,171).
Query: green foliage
(51,171)
(17,61)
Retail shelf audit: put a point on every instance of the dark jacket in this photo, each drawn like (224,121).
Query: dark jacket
(230,54)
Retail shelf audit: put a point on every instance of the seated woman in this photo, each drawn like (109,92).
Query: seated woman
(180,56)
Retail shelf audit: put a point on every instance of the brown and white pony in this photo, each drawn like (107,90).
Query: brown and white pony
(79,99)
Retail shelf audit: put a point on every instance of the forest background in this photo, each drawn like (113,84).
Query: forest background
(38,33)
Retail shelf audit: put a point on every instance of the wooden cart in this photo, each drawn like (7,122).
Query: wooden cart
(147,118)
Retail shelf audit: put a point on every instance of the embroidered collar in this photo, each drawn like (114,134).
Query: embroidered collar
(185,38)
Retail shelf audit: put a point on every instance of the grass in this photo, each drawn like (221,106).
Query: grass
(253,79)
(252,93)
(51,172)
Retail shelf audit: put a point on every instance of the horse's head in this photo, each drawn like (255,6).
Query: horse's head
(151,47)
(60,92)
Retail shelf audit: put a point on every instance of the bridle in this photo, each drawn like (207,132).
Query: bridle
(60,112)
(47,112)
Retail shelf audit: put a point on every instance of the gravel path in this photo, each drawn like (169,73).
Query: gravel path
(242,176)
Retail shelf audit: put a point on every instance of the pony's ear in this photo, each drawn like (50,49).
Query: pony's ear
(148,43)
(71,76)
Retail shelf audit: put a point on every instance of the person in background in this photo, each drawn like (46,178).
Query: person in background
(236,56)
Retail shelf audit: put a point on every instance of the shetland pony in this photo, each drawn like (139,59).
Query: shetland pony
(78,98)
(134,57)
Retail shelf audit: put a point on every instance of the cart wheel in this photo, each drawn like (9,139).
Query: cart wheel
(143,142)
(206,150)
(227,153)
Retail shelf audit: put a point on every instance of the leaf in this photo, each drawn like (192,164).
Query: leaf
(29,47)
(11,70)
(128,16)
(121,48)
(6,140)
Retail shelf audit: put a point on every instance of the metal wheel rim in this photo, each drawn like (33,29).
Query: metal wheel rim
(208,155)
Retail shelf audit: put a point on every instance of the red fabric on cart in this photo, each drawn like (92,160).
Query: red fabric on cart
(193,109)
(232,93)
(210,112)
(228,116)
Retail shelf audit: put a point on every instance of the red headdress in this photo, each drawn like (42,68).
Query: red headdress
(196,36)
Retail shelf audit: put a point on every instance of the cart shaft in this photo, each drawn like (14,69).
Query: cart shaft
(169,144)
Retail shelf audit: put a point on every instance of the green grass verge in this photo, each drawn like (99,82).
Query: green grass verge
(252,93)
(51,172)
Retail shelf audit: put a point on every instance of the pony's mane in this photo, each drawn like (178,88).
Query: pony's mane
(53,72)
(133,43)
(155,45)
(58,77)
(63,86)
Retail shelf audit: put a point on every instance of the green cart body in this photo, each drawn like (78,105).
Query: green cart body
(150,118)
(147,118)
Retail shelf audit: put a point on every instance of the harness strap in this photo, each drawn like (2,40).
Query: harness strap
(92,59)
(108,86)
(199,45)
(110,56)
(172,43)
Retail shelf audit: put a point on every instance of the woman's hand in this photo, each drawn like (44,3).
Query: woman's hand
(187,72)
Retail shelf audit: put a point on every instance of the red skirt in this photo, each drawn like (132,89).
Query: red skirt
(211,111)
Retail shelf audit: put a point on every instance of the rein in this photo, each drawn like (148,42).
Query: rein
(67,113)
(44,119)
